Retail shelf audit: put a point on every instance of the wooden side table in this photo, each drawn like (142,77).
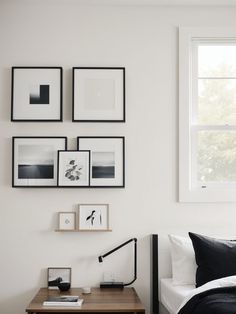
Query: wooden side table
(99,301)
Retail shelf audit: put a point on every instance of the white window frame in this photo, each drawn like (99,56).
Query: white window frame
(225,192)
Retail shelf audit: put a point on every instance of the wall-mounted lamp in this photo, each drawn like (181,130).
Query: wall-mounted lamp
(120,284)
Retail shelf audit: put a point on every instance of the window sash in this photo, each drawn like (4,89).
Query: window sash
(189,39)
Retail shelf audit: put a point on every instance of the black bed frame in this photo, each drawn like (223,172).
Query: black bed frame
(154,274)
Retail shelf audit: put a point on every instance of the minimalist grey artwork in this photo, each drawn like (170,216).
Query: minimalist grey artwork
(67,220)
(98,94)
(103,165)
(39,95)
(35,162)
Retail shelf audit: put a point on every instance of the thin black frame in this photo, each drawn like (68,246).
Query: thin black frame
(69,268)
(123,157)
(58,167)
(13,159)
(12,94)
(73,89)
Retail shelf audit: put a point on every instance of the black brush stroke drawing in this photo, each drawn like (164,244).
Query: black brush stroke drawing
(91,216)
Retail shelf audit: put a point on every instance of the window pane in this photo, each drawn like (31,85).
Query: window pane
(217,101)
(217,61)
(216,156)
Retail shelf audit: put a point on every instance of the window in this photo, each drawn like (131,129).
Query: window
(207,115)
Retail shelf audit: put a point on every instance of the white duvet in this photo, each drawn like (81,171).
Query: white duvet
(222,282)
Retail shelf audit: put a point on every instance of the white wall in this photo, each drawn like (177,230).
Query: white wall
(145,41)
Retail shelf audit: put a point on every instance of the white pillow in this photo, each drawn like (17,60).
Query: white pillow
(183,260)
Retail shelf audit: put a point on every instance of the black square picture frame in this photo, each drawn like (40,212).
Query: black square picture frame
(98,94)
(36,94)
(34,160)
(107,160)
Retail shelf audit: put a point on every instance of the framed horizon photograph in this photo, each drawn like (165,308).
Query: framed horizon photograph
(67,221)
(57,275)
(93,217)
(98,94)
(35,160)
(107,160)
(73,168)
(36,94)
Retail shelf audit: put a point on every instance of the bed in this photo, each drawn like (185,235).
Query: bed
(213,292)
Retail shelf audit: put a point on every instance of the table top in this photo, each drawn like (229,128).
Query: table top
(99,300)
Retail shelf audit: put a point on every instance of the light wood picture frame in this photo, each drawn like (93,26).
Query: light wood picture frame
(93,217)
(67,221)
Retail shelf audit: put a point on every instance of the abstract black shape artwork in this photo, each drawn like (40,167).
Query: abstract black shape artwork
(42,97)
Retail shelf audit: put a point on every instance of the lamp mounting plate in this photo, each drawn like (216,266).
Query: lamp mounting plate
(111,284)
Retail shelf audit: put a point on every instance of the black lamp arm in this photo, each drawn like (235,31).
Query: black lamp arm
(135,264)
(100,258)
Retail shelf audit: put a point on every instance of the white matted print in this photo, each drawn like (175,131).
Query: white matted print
(73,168)
(93,217)
(57,275)
(67,221)
(35,160)
(106,160)
(98,94)
(36,94)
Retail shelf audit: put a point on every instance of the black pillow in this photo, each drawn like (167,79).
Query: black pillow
(215,258)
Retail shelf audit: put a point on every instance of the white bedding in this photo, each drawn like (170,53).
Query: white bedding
(173,296)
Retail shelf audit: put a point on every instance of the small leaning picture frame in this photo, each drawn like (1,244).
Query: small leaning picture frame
(34,160)
(67,221)
(98,94)
(73,168)
(57,275)
(107,160)
(93,217)
(36,94)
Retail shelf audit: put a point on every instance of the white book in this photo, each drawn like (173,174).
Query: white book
(66,301)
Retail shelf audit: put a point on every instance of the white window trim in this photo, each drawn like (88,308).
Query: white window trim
(187,193)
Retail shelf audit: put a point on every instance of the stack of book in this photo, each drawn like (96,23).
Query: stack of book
(63,300)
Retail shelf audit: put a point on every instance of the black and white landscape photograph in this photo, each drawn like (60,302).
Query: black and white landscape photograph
(107,159)
(35,162)
(103,165)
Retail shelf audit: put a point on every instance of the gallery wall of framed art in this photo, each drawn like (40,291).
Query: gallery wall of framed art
(44,161)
